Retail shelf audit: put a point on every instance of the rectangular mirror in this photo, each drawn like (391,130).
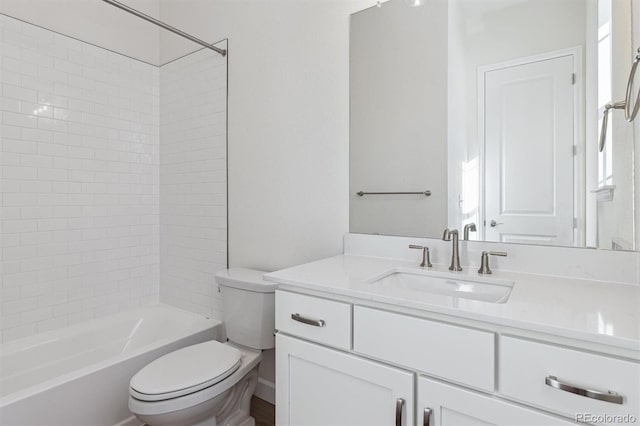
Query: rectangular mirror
(486,116)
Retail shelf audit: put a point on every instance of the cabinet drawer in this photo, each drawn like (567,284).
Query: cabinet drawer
(320,320)
(451,352)
(526,367)
(443,404)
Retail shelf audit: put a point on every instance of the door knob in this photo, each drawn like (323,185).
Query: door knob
(493,223)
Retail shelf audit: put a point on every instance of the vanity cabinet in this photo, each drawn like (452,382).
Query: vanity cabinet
(324,387)
(340,363)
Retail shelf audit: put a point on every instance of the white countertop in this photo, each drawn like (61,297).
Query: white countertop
(592,311)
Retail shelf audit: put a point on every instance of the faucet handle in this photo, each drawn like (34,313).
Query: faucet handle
(449,233)
(426,258)
(469,227)
(484,261)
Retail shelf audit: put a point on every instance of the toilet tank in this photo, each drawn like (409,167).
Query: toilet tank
(248,305)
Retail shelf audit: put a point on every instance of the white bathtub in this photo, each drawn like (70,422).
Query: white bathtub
(80,375)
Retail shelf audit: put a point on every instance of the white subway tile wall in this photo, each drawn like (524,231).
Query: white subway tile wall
(79,161)
(193,198)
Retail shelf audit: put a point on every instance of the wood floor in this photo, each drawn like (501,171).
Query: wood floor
(263,412)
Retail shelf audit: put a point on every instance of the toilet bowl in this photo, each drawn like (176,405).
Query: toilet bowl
(212,383)
(203,394)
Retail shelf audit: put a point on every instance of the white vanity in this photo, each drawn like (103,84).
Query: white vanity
(356,350)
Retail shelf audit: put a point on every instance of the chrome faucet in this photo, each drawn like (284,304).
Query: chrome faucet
(469,227)
(452,235)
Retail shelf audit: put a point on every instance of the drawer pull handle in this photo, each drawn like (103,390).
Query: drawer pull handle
(308,321)
(608,396)
(399,410)
(426,420)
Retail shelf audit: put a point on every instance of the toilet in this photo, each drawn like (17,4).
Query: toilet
(211,383)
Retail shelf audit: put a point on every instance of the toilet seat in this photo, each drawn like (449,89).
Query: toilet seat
(185,371)
(250,359)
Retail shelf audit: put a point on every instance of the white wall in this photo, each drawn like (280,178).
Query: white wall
(193,192)
(95,22)
(79,184)
(398,119)
(288,121)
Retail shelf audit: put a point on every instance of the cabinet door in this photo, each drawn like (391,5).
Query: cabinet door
(441,404)
(325,387)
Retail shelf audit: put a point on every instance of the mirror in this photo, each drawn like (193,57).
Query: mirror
(485,116)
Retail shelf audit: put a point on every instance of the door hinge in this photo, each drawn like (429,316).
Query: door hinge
(575,223)
(574,149)
(573,78)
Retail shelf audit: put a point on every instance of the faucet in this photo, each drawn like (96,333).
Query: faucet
(484,261)
(469,227)
(426,259)
(452,235)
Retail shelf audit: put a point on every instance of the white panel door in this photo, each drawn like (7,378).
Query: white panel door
(450,405)
(529,158)
(324,387)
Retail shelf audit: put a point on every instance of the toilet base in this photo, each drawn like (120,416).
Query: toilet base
(249,422)
(231,408)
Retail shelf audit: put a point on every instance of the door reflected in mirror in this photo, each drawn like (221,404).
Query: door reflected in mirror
(494,108)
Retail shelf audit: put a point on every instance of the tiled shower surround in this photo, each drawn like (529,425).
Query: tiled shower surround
(80,182)
(193,176)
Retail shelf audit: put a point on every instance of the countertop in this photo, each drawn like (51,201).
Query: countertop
(593,311)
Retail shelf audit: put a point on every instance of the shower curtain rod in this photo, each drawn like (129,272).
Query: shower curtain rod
(167,27)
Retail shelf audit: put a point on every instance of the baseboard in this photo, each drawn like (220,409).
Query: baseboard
(266,390)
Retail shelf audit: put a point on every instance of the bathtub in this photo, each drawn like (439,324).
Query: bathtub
(80,375)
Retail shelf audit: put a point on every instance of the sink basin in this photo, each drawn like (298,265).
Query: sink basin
(482,289)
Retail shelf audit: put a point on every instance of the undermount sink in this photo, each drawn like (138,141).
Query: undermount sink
(482,289)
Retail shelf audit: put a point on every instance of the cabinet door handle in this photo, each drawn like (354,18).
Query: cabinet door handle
(308,321)
(426,419)
(399,410)
(607,396)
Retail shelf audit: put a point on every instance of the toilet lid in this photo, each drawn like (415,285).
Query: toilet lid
(185,371)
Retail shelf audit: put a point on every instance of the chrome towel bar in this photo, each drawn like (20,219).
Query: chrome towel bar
(426,193)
